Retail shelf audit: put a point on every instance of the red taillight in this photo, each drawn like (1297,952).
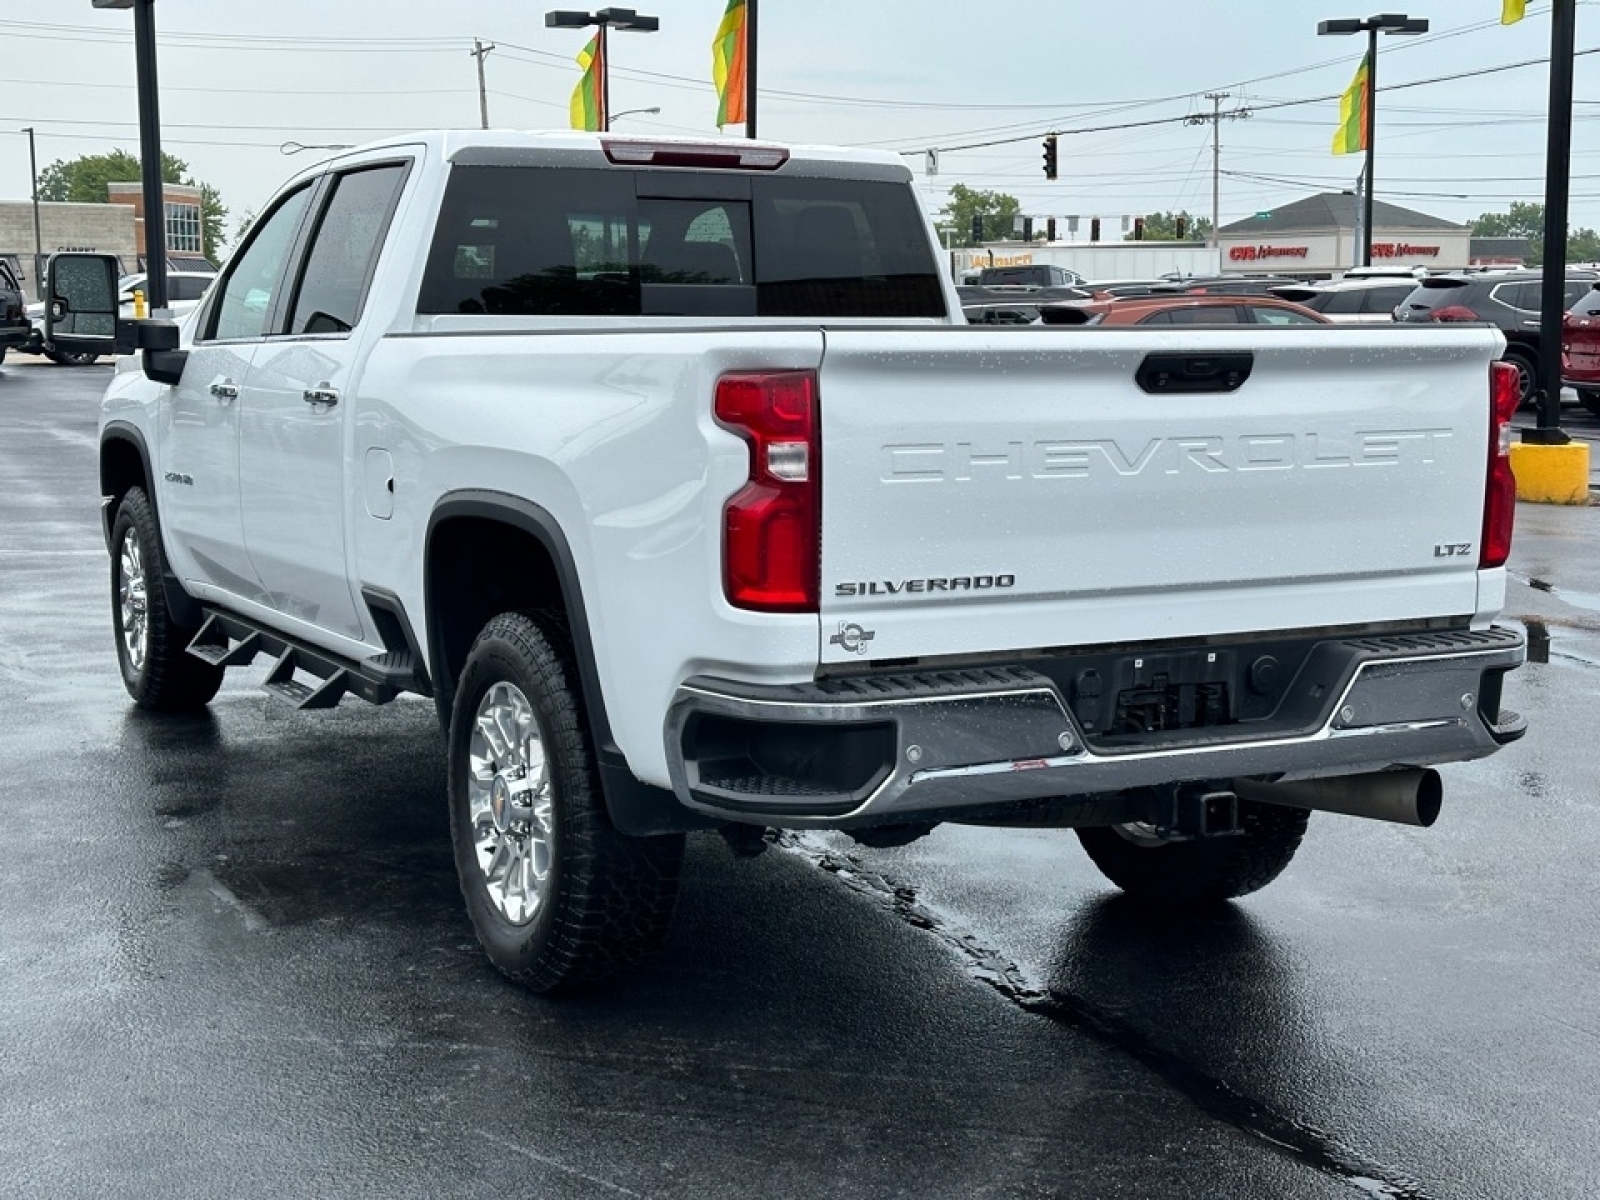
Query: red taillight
(1500,500)
(771,528)
(1453,312)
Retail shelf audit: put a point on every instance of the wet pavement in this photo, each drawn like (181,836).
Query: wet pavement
(233,959)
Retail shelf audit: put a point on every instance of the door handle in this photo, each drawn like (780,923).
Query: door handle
(321,394)
(225,389)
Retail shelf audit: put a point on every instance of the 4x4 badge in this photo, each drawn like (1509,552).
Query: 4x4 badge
(851,638)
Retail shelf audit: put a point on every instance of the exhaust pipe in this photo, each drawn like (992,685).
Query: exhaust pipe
(1410,797)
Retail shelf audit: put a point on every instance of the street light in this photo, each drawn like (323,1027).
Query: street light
(607,18)
(155,207)
(1372,26)
(38,242)
(628,112)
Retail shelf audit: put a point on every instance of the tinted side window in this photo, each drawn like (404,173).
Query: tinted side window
(1384,299)
(185,287)
(1157,318)
(253,279)
(1344,302)
(1588,304)
(1206,314)
(345,248)
(1573,292)
(1518,295)
(1280,316)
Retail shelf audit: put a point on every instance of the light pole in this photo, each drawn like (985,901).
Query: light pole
(38,242)
(1372,26)
(155,207)
(628,112)
(607,18)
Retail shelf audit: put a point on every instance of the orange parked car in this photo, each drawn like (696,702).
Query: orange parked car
(1182,309)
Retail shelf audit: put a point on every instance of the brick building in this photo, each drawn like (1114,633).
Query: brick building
(116,228)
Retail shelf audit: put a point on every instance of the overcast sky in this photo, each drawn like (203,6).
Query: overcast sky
(239,79)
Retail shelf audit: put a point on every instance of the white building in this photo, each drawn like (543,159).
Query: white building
(1319,236)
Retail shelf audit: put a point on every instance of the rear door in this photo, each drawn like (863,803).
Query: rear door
(987,492)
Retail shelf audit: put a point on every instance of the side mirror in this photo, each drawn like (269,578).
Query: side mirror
(80,311)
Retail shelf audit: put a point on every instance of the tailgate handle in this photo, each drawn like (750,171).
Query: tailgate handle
(1194,372)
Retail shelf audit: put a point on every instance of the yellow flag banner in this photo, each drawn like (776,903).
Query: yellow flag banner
(728,55)
(1354,119)
(1513,11)
(587,111)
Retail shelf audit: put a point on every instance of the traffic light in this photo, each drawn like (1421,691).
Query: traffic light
(1182,228)
(1138,229)
(1094,229)
(1027,229)
(1050,156)
(1050,230)
(977,227)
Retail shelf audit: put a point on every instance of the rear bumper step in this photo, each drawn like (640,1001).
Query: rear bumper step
(875,748)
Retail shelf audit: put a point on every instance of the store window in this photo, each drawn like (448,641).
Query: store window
(183,228)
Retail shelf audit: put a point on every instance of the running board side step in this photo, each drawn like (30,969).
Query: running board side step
(226,640)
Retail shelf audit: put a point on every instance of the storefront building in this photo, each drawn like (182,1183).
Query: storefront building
(1320,236)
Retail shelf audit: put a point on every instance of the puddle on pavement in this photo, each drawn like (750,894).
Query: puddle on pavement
(1585,600)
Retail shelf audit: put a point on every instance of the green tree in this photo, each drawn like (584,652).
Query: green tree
(83,181)
(1526,219)
(995,208)
(1163,227)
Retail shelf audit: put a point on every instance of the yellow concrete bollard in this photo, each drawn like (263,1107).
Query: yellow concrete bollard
(139,312)
(1551,474)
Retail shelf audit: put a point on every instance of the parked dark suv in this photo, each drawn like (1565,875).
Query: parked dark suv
(14,326)
(1509,300)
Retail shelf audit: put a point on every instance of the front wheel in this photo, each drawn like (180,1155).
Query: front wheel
(558,898)
(1590,401)
(1169,871)
(157,670)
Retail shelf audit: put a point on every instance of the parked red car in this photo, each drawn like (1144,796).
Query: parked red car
(1580,349)
(1180,309)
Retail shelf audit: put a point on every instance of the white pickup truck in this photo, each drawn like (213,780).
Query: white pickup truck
(672,473)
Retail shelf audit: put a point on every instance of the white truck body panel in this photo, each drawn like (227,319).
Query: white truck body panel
(1317,494)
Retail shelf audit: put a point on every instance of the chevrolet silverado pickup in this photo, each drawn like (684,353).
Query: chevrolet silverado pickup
(671,472)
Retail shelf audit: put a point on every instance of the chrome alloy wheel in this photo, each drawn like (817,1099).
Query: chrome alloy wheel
(508,803)
(133,598)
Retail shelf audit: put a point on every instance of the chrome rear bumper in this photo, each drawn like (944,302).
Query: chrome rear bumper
(876,748)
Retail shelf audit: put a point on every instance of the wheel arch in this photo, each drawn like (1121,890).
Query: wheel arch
(471,535)
(124,464)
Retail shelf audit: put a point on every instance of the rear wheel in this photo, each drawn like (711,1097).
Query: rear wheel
(1590,401)
(1166,871)
(65,358)
(558,897)
(1527,377)
(157,670)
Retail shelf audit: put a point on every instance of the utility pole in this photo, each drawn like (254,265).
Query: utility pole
(480,52)
(1215,121)
(1558,174)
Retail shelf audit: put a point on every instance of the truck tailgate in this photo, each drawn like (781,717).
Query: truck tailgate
(1014,489)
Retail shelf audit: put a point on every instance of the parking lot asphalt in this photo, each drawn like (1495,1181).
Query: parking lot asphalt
(233,957)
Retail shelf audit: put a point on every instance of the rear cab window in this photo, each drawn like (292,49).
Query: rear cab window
(544,241)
